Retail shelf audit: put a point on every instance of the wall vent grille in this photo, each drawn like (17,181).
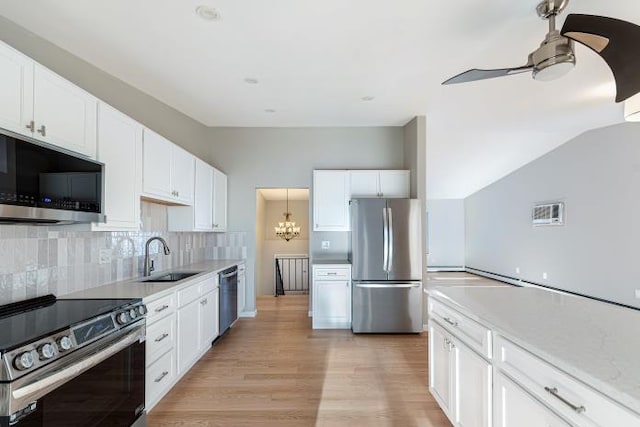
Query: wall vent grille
(548,214)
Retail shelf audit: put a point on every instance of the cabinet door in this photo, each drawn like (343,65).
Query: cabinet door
(64,114)
(188,334)
(394,184)
(203,197)
(156,165)
(219,201)
(208,318)
(473,394)
(332,304)
(119,144)
(441,363)
(364,184)
(182,174)
(515,407)
(331,201)
(241,289)
(16,89)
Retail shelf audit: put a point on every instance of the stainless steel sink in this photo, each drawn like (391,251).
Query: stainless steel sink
(171,277)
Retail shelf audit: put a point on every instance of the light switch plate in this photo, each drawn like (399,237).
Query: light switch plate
(326,244)
(638,293)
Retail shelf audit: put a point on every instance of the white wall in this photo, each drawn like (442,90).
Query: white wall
(273,245)
(445,234)
(596,253)
(286,157)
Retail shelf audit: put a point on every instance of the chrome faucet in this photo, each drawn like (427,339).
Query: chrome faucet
(148,266)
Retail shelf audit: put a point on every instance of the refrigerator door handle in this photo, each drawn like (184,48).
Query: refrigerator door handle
(382,285)
(390,251)
(385,240)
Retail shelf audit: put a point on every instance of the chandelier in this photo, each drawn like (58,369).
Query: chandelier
(287,230)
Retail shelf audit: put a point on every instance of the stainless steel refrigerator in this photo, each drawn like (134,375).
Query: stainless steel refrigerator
(386,258)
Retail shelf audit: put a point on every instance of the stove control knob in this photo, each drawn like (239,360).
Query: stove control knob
(133,313)
(24,361)
(123,318)
(64,343)
(142,310)
(46,351)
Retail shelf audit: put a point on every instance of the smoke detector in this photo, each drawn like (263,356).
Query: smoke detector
(207,13)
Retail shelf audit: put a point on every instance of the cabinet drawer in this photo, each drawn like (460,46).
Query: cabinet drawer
(208,285)
(160,377)
(160,338)
(159,308)
(332,274)
(567,396)
(467,330)
(186,295)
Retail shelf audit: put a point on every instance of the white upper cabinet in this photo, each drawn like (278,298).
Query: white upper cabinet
(203,197)
(219,201)
(16,87)
(40,104)
(209,209)
(331,200)
(64,114)
(182,174)
(379,183)
(168,170)
(120,149)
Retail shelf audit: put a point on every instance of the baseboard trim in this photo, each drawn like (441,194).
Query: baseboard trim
(248,314)
(425,327)
(443,269)
(310,313)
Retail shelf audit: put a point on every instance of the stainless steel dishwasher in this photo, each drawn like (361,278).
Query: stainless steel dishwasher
(228,298)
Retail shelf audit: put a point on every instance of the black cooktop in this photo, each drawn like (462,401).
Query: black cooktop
(27,321)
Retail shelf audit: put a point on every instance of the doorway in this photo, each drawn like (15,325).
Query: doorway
(282,266)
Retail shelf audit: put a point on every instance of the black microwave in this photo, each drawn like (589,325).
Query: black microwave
(45,185)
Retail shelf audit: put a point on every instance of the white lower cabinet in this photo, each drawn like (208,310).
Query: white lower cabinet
(517,408)
(441,368)
(180,329)
(331,296)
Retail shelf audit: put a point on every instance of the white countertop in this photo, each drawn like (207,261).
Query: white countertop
(133,288)
(596,342)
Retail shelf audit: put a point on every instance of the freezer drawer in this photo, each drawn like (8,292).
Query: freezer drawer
(380,307)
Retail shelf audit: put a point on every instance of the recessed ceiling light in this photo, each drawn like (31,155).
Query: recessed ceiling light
(368,98)
(269,110)
(208,13)
(251,81)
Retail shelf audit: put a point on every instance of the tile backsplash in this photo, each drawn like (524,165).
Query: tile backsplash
(38,260)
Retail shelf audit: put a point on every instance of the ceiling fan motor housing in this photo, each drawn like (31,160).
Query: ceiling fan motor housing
(554,58)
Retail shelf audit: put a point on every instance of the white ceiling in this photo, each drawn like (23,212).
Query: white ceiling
(315,60)
(271,194)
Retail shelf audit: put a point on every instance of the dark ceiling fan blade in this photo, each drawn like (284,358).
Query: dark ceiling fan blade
(616,42)
(476,74)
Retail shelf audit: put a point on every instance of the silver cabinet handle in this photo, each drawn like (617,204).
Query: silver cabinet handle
(554,392)
(163,308)
(161,337)
(451,322)
(332,273)
(42,130)
(161,377)
(204,301)
(448,344)
(32,126)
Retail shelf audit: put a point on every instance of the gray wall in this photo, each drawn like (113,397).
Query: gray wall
(149,111)
(285,157)
(445,233)
(597,175)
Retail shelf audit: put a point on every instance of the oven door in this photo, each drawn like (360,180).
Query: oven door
(109,393)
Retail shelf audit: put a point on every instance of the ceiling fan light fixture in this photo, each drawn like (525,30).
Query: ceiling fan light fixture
(632,109)
(553,71)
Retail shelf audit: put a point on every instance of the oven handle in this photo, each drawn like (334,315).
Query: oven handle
(34,391)
(226,276)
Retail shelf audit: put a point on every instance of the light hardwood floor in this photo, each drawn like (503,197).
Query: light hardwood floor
(276,371)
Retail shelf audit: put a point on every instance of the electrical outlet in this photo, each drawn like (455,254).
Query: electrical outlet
(326,244)
(105,256)
(544,276)
(517,270)
(638,293)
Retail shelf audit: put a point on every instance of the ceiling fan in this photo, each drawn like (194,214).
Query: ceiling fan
(616,41)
